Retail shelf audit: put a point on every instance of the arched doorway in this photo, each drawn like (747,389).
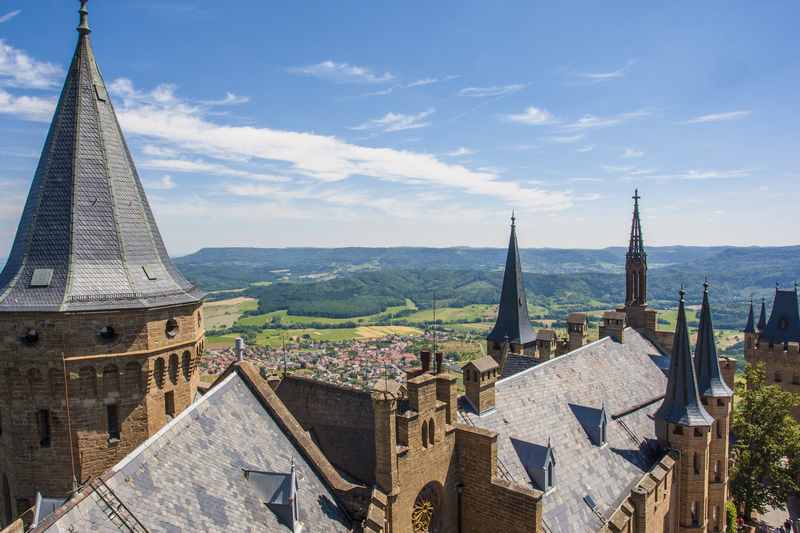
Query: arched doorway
(426,515)
(7,513)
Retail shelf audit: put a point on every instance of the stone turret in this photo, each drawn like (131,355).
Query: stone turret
(683,424)
(92,310)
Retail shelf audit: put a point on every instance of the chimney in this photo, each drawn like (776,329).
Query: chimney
(425,358)
(439,361)
(479,379)
(576,328)
(613,325)
(239,349)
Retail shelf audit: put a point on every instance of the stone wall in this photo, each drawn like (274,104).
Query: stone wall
(781,366)
(340,420)
(107,370)
(651,505)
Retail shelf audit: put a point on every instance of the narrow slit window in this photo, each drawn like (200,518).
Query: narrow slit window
(169,404)
(112,414)
(43,417)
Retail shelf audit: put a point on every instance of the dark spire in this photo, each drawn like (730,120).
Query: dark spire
(681,404)
(784,320)
(636,245)
(750,326)
(513,323)
(83,27)
(762,319)
(87,239)
(709,377)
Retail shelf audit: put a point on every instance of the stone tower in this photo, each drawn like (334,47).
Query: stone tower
(684,425)
(639,317)
(750,329)
(513,325)
(717,398)
(100,333)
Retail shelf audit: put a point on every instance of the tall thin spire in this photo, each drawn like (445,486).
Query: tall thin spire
(681,404)
(751,321)
(513,323)
(636,245)
(762,319)
(83,27)
(710,382)
(636,262)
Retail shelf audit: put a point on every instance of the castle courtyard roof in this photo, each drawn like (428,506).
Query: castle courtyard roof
(224,464)
(541,405)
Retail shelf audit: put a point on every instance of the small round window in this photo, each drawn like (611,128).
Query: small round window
(172,327)
(107,333)
(30,337)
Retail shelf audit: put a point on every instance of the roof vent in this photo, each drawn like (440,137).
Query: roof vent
(593,421)
(539,461)
(279,493)
(149,272)
(102,95)
(42,277)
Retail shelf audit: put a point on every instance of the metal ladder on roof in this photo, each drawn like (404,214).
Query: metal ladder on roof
(116,511)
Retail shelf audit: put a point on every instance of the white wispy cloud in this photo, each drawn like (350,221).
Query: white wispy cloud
(533,116)
(719,117)
(342,72)
(584,149)
(18,69)
(586,180)
(607,75)
(633,173)
(397,122)
(417,83)
(592,121)
(459,152)
(205,167)
(166,183)
(9,16)
(34,108)
(230,99)
(631,153)
(326,159)
(383,92)
(564,139)
(159,151)
(497,90)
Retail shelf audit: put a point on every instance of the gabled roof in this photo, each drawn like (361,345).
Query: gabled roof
(193,474)
(636,244)
(534,406)
(87,239)
(576,318)
(709,376)
(545,335)
(513,322)
(484,364)
(762,318)
(515,364)
(784,320)
(750,326)
(681,403)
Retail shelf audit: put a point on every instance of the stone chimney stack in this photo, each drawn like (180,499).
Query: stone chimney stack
(479,379)
(576,329)
(425,359)
(613,326)
(439,362)
(239,349)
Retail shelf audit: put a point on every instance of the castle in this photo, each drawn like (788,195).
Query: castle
(102,429)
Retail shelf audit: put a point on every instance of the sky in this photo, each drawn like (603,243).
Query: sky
(412,123)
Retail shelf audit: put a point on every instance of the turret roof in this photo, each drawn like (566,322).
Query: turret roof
(709,376)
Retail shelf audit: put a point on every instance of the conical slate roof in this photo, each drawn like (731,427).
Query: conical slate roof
(762,319)
(513,323)
(710,382)
(87,239)
(784,320)
(636,244)
(682,402)
(750,326)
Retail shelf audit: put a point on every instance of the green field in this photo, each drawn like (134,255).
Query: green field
(284,318)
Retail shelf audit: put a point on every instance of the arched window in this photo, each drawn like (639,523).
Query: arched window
(796,378)
(432,431)
(425,434)
(133,378)
(718,471)
(719,428)
(696,463)
(88,382)
(173,368)
(158,372)
(186,365)
(110,380)
(695,516)
(550,481)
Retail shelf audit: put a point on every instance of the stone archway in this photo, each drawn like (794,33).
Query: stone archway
(426,515)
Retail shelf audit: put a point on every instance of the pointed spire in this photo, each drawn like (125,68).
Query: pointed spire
(710,382)
(750,326)
(513,324)
(87,239)
(762,319)
(636,245)
(83,27)
(681,404)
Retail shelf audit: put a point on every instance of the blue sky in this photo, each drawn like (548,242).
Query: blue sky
(425,123)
